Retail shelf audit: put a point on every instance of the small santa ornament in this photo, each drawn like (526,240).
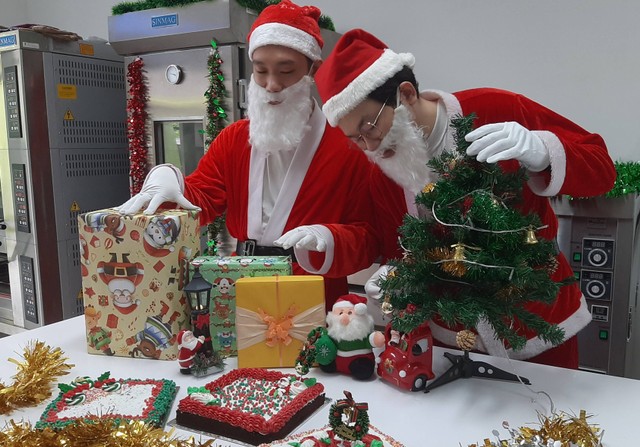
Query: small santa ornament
(350,329)
(122,278)
(188,347)
(160,235)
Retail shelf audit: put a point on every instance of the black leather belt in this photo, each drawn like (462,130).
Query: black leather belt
(250,248)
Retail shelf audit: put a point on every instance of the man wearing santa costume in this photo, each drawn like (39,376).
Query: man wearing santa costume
(284,177)
(371,93)
(188,347)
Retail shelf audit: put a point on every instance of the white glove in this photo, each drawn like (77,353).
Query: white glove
(306,237)
(164,183)
(507,141)
(372,286)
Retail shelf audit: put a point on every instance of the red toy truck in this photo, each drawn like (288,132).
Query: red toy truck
(407,359)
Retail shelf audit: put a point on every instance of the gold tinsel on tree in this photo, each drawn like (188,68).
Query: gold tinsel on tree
(32,383)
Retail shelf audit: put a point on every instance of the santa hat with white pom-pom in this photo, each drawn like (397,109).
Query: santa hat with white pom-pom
(357,65)
(289,25)
(358,302)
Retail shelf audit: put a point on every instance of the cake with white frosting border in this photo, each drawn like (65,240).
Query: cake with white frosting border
(84,399)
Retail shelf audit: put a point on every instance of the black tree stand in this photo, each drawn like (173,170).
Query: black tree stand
(463,367)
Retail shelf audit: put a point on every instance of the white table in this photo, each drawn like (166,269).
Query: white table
(459,413)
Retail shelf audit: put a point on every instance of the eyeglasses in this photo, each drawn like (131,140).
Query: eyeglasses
(369,131)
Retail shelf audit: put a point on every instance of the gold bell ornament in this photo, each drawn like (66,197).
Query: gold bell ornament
(459,254)
(428,188)
(386,306)
(531,236)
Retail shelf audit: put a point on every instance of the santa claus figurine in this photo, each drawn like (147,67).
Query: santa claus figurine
(351,336)
(188,347)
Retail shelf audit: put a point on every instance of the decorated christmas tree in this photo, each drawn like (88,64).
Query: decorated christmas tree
(471,255)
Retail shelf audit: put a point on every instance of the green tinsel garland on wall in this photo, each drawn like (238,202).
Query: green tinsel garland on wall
(254,5)
(628,179)
(125,7)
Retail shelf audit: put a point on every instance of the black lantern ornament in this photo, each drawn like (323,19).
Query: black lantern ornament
(198,292)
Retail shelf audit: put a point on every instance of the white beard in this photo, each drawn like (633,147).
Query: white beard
(280,127)
(408,166)
(190,344)
(359,327)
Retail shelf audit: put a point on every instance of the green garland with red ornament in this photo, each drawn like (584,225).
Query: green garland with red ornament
(216,121)
(307,355)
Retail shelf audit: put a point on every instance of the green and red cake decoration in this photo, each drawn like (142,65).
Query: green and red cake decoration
(121,400)
(251,405)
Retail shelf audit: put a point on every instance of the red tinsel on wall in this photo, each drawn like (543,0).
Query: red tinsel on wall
(136,125)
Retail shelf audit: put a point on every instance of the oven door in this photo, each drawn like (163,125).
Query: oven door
(179,142)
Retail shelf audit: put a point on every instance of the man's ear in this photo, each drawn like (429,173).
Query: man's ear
(314,67)
(408,93)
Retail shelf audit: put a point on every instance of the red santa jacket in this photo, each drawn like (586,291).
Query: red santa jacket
(327,184)
(580,167)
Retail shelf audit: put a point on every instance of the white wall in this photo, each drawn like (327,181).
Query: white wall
(578,57)
(13,12)
(88,18)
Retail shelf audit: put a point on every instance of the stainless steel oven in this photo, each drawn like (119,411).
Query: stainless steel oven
(63,151)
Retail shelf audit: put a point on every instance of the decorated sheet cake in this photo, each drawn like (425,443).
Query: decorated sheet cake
(147,400)
(251,405)
(348,427)
(325,437)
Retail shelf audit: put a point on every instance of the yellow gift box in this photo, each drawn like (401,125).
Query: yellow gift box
(274,315)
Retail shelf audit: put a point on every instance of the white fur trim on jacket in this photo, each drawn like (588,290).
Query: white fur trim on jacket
(267,232)
(286,36)
(370,79)
(558,166)
(487,341)
(302,255)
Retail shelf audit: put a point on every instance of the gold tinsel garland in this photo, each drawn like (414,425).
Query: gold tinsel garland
(558,430)
(448,263)
(32,384)
(100,433)
(567,429)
